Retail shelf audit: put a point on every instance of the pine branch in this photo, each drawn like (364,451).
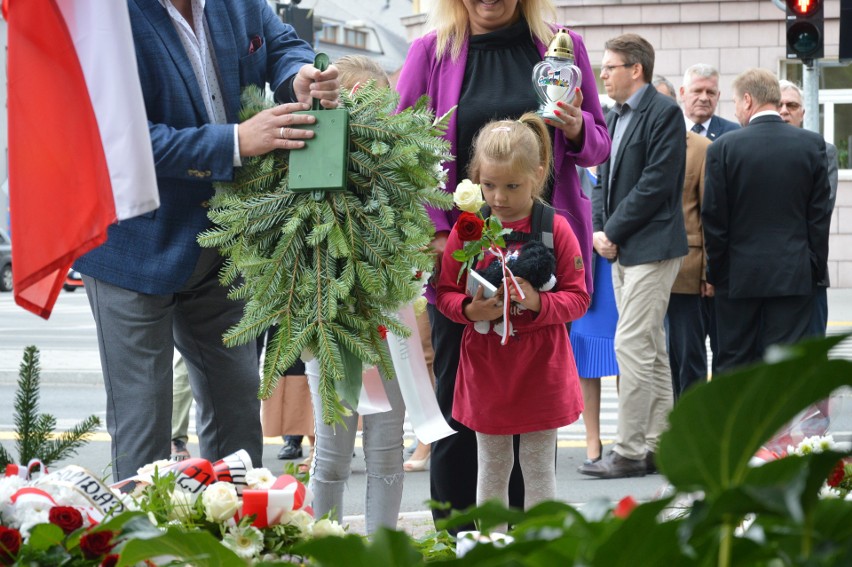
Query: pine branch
(35,431)
(26,404)
(68,442)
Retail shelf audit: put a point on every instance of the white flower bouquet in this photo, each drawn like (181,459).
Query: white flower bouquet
(168,512)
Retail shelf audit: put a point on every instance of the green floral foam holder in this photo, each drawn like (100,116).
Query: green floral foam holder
(321,164)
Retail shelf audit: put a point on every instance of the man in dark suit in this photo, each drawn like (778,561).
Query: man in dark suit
(792,110)
(766,218)
(151,287)
(700,96)
(640,228)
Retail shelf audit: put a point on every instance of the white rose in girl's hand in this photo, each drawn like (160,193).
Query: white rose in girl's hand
(220,501)
(468,196)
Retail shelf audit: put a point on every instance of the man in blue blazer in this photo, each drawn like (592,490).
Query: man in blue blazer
(151,287)
(640,228)
(766,223)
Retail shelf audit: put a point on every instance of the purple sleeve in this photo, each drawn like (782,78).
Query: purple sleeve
(414,81)
(596,142)
(568,198)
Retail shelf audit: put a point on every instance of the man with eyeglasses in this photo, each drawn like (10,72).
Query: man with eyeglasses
(639,227)
(792,110)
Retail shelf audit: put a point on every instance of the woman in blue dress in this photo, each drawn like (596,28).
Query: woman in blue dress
(593,337)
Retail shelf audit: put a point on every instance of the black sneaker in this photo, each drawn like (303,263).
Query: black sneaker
(179,450)
(290,451)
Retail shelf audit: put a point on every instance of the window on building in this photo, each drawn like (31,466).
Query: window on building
(328,33)
(355,38)
(835,109)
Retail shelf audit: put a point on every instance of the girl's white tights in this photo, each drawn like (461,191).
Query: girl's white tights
(495,459)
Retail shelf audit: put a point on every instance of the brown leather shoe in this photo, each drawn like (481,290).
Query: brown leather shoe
(614,465)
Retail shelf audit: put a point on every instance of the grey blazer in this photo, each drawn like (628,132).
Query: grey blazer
(640,207)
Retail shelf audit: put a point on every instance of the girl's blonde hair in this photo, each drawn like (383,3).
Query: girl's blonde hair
(449,18)
(355,69)
(523,145)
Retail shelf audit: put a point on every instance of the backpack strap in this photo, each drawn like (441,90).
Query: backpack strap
(541,225)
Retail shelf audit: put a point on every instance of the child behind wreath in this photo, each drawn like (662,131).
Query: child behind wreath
(529,386)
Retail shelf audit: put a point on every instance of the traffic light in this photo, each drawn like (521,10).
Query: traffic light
(804,29)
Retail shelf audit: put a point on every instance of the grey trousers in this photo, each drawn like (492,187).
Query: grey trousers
(137,335)
(332,462)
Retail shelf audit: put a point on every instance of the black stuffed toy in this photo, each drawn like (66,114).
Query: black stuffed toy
(533,262)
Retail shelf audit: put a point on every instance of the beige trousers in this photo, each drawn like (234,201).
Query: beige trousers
(645,383)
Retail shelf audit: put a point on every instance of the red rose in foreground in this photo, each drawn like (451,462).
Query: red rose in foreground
(836,475)
(10,545)
(96,544)
(66,517)
(624,507)
(469,227)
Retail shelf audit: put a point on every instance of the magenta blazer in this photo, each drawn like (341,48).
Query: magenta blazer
(422,73)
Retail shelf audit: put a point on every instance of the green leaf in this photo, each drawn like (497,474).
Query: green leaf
(45,536)
(387,548)
(197,548)
(717,427)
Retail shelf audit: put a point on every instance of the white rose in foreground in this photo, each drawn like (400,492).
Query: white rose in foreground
(181,508)
(326,527)
(300,519)
(220,501)
(260,479)
(468,196)
(159,466)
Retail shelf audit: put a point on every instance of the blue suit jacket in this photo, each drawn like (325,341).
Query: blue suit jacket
(157,252)
(719,126)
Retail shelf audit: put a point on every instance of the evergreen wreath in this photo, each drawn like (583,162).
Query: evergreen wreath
(331,269)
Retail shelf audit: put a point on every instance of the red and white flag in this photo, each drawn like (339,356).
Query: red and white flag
(80,155)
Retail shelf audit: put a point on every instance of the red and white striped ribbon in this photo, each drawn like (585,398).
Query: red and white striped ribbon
(508,276)
(25,472)
(287,494)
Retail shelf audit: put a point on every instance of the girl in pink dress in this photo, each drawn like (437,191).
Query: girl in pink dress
(530,385)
